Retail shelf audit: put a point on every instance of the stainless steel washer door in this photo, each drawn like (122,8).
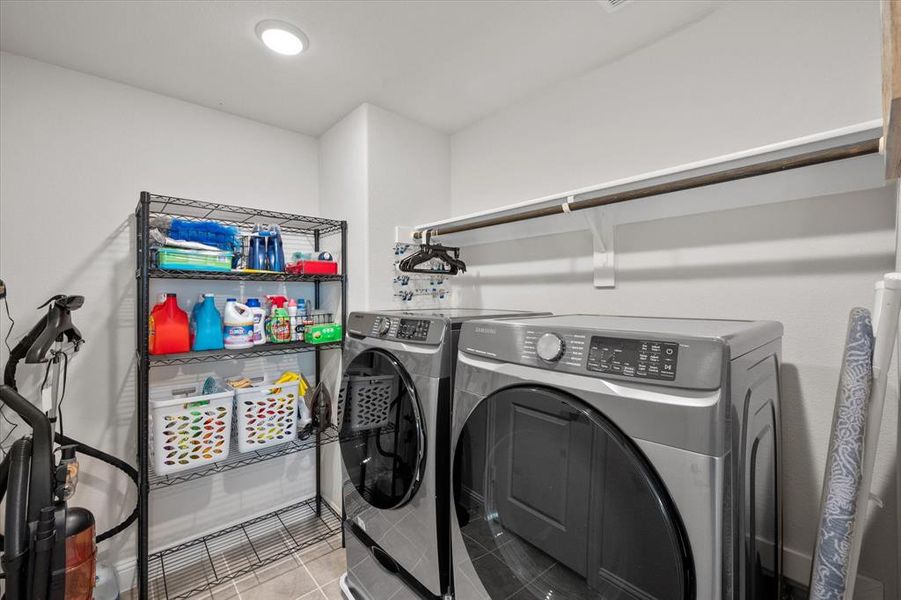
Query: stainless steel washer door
(554,501)
(382,435)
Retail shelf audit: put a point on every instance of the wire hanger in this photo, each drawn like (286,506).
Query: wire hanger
(429,252)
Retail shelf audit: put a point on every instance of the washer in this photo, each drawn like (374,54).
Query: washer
(394,411)
(617,458)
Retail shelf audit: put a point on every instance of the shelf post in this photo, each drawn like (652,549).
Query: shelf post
(142,231)
(316,301)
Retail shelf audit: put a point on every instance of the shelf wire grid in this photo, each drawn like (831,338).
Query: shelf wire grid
(190,358)
(198,210)
(238,460)
(157,273)
(203,563)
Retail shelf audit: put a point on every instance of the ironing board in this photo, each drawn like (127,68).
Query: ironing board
(852,445)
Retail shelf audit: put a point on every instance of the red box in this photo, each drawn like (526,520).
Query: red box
(319,267)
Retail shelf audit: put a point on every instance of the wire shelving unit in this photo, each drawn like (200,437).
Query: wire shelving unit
(206,561)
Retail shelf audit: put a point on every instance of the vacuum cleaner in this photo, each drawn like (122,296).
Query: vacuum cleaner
(49,547)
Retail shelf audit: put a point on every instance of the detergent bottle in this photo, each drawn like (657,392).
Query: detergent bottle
(192,320)
(207,325)
(259,320)
(237,325)
(169,330)
(275,253)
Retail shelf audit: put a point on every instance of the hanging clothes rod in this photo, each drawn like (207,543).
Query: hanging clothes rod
(807,159)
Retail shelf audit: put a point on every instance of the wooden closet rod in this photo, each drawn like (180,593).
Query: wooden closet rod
(806,159)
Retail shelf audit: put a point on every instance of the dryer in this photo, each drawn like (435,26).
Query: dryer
(394,415)
(617,458)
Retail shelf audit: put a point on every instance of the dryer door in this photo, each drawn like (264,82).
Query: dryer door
(382,436)
(554,501)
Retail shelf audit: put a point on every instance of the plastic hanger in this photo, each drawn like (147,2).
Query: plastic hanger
(429,252)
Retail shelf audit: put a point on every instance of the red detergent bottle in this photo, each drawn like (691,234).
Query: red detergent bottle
(169,330)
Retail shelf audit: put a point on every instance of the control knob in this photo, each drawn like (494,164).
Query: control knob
(383,325)
(550,347)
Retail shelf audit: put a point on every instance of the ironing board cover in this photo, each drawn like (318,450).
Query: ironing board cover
(844,464)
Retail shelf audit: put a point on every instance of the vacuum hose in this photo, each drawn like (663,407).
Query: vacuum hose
(112,461)
(15,543)
(40,492)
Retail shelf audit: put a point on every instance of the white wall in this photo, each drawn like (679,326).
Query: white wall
(409,182)
(381,170)
(75,151)
(748,75)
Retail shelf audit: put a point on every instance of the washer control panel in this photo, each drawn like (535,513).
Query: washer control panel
(416,330)
(641,357)
(644,359)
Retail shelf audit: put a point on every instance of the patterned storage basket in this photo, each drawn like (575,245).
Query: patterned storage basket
(370,399)
(189,429)
(267,414)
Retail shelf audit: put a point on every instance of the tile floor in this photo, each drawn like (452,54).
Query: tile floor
(311,574)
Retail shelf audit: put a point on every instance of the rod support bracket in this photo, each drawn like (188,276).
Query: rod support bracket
(601,223)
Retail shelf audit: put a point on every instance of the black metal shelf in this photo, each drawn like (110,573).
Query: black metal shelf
(201,564)
(210,560)
(206,356)
(156,273)
(243,459)
(239,216)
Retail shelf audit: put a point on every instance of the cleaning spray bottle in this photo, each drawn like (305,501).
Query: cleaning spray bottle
(259,321)
(237,325)
(278,325)
(292,318)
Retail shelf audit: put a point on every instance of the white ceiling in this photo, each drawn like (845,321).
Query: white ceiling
(446,64)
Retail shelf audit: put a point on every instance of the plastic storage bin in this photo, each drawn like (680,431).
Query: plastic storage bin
(369,404)
(194,260)
(189,429)
(313,267)
(267,414)
(319,267)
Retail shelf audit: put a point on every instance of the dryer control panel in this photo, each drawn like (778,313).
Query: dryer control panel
(646,359)
(416,330)
(398,328)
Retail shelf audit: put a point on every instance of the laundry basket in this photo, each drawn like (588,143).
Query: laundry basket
(267,414)
(369,405)
(190,429)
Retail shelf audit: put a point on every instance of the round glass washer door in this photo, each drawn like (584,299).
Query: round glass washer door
(382,436)
(555,502)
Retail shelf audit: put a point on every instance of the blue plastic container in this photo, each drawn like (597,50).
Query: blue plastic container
(256,254)
(207,325)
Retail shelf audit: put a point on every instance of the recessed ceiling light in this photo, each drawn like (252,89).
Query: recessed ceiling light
(282,37)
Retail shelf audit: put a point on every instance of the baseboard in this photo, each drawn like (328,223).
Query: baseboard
(796,567)
(127,572)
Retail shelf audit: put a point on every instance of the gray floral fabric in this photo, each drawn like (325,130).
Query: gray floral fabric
(844,463)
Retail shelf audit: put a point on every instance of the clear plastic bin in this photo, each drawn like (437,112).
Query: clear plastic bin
(182,259)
